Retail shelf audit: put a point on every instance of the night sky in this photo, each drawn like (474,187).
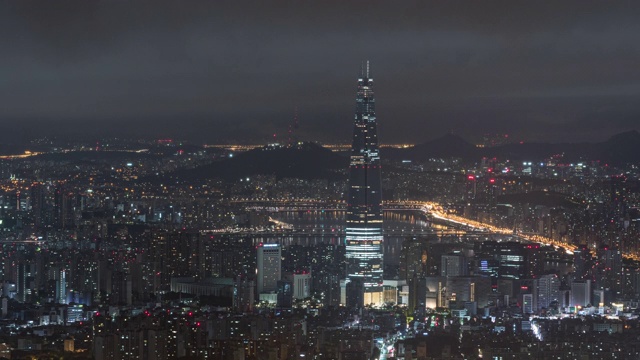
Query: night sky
(234,72)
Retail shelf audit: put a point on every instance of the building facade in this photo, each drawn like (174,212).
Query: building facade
(547,289)
(453,265)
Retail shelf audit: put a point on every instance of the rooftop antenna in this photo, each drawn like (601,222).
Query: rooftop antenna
(293,127)
(367,68)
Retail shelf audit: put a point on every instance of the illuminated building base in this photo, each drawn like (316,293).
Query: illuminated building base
(374,298)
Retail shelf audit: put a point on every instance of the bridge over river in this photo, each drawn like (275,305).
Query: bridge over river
(433,213)
(308,218)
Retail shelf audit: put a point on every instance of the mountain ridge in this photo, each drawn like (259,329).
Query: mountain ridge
(618,149)
(304,160)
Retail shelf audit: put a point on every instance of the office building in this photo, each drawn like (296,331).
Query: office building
(547,291)
(301,282)
(453,265)
(580,293)
(269,259)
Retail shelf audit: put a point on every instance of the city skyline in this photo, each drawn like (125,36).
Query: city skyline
(545,71)
(175,181)
(161,250)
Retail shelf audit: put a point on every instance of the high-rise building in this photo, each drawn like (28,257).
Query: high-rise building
(364,204)
(582,260)
(301,283)
(26,272)
(269,272)
(609,272)
(547,289)
(505,260)
(285,294)
(243,294)
(527,304)
(61,287)
(453,265)
(461,289)
(413,258)
(580,293)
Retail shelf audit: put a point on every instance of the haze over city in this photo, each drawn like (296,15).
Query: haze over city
(236,71)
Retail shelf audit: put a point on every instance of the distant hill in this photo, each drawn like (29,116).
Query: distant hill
(447,146)
(619,149)
(173,149)
(550,199)
(97,156)
(307,160)
(7,149)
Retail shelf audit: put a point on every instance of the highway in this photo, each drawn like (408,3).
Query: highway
(434,210)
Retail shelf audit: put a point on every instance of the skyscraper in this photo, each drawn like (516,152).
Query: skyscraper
(364,204)
(547,289)
(269,271)
(61,287)
(580,293)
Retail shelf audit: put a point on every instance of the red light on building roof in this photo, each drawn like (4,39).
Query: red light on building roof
(492,180)
(471,177)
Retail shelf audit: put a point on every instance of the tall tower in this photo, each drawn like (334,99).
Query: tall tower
(364,204)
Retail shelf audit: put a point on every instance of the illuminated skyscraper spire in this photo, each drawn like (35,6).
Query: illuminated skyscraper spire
(364,204)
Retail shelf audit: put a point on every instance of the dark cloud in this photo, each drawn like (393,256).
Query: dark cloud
(219,70)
